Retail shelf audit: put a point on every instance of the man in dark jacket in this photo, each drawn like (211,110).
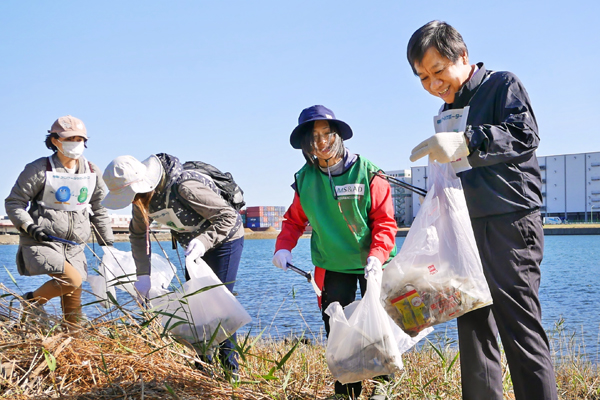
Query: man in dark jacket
(495,130)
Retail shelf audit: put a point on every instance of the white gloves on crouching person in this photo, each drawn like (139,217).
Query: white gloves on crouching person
(143,285)
(282,258)
(195,250)
(373,267)
(442,147)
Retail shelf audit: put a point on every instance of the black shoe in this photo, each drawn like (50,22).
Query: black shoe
(378,393)
(201,366)
(350,390)
(232,377)
(32,311)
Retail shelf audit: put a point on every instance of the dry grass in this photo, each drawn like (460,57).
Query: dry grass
(126,358)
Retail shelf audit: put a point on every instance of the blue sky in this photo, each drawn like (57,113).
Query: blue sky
(224,82)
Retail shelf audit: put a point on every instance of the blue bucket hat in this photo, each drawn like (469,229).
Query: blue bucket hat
(317,113)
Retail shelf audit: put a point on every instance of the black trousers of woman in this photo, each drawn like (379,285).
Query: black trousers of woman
(341,287)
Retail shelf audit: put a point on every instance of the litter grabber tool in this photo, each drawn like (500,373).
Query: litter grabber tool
(57,239)
(308,277)
(398,182)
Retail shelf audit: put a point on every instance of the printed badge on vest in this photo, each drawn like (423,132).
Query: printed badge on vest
(350,191)
(67,191)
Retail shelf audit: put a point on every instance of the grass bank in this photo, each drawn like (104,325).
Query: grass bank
(132,357)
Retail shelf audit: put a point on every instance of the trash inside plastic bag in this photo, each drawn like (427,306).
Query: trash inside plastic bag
(363,341)
(404,341)
(118,270)
(437,274)
(199,314)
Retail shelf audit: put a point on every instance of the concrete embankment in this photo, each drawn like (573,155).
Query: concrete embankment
(587,229)
(568,229)
(162,237)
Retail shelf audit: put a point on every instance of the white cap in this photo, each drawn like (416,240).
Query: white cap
(125,176)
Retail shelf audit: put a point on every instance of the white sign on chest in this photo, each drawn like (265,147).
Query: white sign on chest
(351,189)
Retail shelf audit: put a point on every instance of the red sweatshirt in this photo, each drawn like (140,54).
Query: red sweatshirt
(381,222)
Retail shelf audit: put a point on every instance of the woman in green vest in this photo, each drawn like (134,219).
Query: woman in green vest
(350,211)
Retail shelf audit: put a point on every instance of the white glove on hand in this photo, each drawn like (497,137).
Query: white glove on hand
(442,147)
(195,250)
(282,258)
(143,285)
(373,267)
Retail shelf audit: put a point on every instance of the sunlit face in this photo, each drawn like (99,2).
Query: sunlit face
(323,140)
(440,76)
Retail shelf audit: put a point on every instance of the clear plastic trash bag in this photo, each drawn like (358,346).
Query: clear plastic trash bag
(118,270)
(203,318)
(363,341)
(437,274)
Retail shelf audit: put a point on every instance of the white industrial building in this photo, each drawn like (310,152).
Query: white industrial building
(570,186)
(402,197)
(120,221)
(419,178)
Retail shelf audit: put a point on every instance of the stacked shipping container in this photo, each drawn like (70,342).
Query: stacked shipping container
(264,217)
(243,214)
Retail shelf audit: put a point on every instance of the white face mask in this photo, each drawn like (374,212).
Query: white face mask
(72,149)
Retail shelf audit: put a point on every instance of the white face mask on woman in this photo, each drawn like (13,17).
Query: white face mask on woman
(72,149)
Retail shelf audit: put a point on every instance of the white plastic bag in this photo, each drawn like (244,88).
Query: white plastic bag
(437,274)
(361,343)
(118,270)
(196,317)
(100,289)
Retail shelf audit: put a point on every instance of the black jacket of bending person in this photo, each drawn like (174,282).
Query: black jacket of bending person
(503,136)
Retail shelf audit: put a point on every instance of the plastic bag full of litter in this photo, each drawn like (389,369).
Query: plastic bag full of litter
(363,341)
(437,274)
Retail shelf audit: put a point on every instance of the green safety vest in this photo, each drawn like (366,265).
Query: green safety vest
(341,237)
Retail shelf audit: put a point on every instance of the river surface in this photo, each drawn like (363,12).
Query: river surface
(283,303)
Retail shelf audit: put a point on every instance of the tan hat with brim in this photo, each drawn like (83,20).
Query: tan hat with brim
(69,126)
(125,176)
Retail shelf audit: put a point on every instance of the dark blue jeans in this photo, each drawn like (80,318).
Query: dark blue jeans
(224,260)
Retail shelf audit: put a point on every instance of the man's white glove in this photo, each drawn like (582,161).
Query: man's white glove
(143,285)
(282,258)
(373,267)
(195,250)
(442,147)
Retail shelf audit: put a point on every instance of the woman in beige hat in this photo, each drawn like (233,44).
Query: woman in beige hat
(53,204)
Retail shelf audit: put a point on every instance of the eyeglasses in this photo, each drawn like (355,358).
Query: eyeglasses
(322,137)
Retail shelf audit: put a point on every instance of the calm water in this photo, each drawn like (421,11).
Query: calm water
(283,303)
